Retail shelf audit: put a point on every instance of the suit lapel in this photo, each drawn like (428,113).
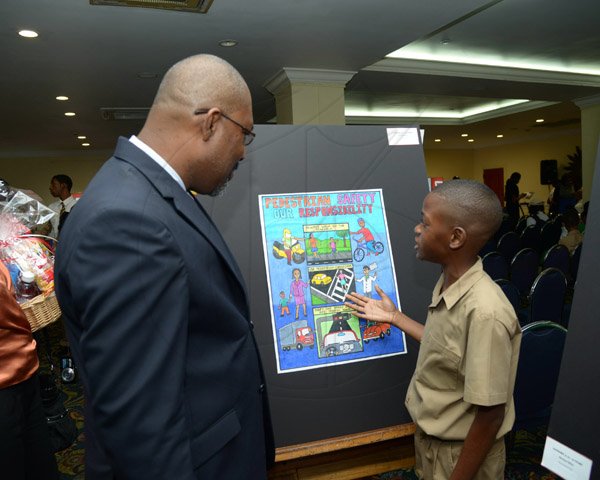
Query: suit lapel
(183,203)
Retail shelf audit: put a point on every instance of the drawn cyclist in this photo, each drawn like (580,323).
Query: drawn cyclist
(366,236)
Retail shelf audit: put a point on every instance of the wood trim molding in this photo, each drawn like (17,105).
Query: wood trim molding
(346,441)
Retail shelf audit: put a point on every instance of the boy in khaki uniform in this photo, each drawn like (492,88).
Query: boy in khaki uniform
(460,396)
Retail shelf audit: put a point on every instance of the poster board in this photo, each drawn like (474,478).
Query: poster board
(315,404)
(573,444)
(318,247)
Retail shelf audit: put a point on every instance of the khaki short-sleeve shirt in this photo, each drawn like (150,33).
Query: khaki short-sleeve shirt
(468,357)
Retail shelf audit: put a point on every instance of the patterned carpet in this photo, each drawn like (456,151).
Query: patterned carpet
(523,462)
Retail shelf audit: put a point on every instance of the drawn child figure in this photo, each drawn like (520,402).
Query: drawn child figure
(461,393)
(297,288)
(343,280)
(332,245)
(367,280)
(366,236)
(313,245)
(283,304)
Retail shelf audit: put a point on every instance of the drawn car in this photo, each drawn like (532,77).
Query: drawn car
(340,343)
(375,331)
(321,279)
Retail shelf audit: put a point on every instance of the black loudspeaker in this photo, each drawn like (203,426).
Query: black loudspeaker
(548,172)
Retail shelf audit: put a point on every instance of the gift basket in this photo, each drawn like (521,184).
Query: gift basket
(28,256)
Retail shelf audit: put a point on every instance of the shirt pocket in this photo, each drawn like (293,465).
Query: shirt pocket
(439,369)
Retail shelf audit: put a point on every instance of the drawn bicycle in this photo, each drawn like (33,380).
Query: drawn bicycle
(362,250)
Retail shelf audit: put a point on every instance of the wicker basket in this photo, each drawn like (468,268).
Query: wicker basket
(41,311)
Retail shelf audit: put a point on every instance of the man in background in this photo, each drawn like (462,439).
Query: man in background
(155,305)
(60,187)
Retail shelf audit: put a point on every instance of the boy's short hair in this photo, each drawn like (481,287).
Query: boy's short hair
(473,206)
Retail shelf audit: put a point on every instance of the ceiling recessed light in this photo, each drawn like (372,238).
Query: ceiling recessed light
(539,120)
(500,135)
(28,33)
(470,140)
(464,134)
(85,144)
(81,137)
(438,140)
(62,98)
(228,43)
(69,114)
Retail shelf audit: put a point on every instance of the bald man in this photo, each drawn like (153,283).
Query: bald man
(461,394)
(155,306)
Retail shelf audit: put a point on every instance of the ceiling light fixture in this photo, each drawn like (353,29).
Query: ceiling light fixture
(69,114)
(464,134)
(438,140)
(228,43)
(28,33)
(194,6)
(85,144)
(499,136)
(471,140)
(62,98)
(443,114)
(423,52)
(539,120)
(81,137)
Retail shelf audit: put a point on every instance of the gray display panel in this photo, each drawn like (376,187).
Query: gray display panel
(575,414)
(343,399)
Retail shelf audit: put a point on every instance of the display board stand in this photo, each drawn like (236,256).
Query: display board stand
(337,410)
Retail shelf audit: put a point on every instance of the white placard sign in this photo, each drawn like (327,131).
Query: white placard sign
(565,461)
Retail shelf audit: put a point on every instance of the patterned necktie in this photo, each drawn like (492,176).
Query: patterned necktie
(62,209)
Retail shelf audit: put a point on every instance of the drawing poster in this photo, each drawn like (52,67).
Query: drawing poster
(318,247)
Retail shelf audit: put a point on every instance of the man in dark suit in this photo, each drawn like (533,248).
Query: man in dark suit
(155,305)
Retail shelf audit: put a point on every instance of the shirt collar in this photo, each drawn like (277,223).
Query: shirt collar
(158,159)
(455,291)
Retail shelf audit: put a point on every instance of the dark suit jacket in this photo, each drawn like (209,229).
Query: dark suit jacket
(159,326)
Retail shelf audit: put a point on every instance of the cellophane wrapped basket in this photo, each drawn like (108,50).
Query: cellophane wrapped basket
(22,249)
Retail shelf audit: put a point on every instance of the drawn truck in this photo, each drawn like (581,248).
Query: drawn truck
(296,335)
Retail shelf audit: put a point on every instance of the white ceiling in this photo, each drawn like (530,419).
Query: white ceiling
(93,54)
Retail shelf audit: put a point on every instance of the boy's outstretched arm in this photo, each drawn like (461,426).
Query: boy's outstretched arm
(383,310)
(480,438)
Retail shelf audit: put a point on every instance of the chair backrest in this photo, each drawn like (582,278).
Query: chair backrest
(574,267)
(511,292)
(521,225)
(558,257)
(550,234)
(524,269)
(509,245)
(547,297)
(505,226)
(541,351)
(490,246)
(495,266)
(531,237)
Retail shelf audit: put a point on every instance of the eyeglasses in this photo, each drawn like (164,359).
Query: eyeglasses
(249,135)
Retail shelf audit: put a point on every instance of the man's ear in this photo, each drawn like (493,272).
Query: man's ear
(207,123)
(458,238)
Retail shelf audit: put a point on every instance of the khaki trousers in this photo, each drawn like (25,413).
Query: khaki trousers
(436,459)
